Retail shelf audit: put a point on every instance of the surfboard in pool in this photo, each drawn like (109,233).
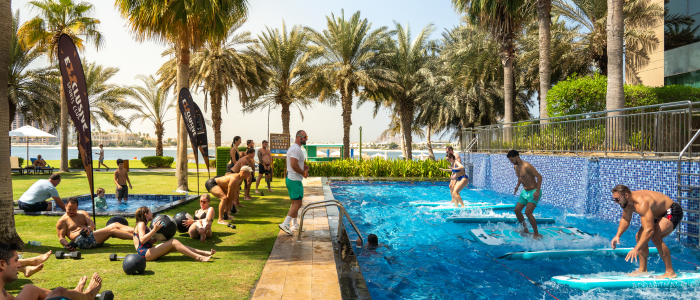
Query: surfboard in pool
(560,254)
(622,281)
(505,236)
(446,203)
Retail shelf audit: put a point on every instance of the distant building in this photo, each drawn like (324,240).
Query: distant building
(21,121)
(115,138)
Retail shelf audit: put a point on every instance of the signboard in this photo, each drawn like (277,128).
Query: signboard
(279,144)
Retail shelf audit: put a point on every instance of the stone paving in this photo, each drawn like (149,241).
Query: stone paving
(303,270)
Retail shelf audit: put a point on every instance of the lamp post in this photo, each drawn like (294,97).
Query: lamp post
(360,142)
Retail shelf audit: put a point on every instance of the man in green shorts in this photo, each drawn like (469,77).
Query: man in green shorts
(297,170)
(531,193)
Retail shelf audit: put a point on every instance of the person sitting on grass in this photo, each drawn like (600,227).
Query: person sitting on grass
(77,226)
(227,188)
(100,201)
(200,227)
(150,251)
(29,266)
(34,199)
(10,265)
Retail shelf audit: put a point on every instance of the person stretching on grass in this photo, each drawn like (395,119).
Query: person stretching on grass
(461,179)
(77,226)
(227,188)
(29,266)
(297,170)
(531,193)
(10,265)
(145,243)
(200,227)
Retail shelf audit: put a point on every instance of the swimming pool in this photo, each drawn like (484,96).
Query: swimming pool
(157,203)
(426,257)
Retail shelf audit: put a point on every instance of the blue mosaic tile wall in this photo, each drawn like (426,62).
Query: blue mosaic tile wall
(582,185)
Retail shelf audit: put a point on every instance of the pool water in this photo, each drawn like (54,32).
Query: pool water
(423,256)
(134,202)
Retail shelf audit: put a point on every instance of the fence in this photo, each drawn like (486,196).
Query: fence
(662,129)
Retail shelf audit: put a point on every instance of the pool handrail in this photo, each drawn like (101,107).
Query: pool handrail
(679,186)
(324,203)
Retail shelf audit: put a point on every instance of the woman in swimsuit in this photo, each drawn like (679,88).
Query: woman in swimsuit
(200,227)
(462,179)
(150,251)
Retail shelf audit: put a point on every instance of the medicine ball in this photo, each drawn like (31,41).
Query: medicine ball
(168,230)
(134,264)
(118,219)
(179,217)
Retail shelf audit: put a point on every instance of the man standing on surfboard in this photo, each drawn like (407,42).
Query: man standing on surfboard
(659,216)
(530,195)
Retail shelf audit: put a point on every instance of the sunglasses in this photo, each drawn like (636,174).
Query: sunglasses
(303,136)
(616,199)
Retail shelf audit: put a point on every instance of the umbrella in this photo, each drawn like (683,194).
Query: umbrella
(377,155)
(30,132)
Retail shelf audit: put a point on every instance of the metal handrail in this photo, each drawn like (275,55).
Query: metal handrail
(472,143)
(680,156)
(324,203)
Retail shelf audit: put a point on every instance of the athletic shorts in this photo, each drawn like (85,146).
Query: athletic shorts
(295,189)
(210,184)
(673,214)
(39,206)
(261,169)
(122,193)
(87,242)
(102,160)
(528,197)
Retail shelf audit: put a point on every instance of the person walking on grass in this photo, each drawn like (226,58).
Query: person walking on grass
(121,177)
(297,170)
(531,193)
(102,159)
(264,167)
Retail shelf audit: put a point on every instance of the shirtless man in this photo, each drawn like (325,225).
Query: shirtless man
(531,193)
(226,188)
(247,160)
(77,226)
(264,166)
(659,216)
(121,177)
(10,264)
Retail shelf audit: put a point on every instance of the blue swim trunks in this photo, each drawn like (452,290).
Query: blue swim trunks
(528,197)
(87,242)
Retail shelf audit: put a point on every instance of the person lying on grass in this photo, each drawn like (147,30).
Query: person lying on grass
(200,227)
(226,188)
(10,265)
(77,226)
(145,243)
(29,266)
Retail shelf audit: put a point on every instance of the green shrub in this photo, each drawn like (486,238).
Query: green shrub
(212,162)
(587,94)
(76,163)
(21,161)
(157,161)
(371,168)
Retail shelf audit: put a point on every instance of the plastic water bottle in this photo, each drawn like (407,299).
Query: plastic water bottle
(171,201)
(34,243)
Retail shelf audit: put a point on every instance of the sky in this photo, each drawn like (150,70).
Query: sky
(322,123)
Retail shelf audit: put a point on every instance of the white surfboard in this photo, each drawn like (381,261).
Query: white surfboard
(496,219)
(622,281)
(559,254)
(482,207)
(446,203)
(505,236)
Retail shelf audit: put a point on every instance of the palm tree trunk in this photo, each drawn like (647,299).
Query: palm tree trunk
(428,143)
(183,76)
(64,130)
(12,112)
(615,98)
(346,96)
(285,117)
(406,115)
(7,219)
(216,117)
(544,8)
(508,85)
(159,135)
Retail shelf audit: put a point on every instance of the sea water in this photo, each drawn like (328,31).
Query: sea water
(424,256)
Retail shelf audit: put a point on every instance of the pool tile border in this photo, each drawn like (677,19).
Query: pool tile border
(158,209)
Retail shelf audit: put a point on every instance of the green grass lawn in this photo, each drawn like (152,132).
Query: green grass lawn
(240,258)
(133,164)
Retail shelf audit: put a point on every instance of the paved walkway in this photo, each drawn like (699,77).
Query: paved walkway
(303,270)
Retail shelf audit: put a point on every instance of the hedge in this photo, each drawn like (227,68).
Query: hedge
(577,95)
(76,163)
(372,168)
(157,161)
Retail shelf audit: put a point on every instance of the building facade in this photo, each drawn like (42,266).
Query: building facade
(21,121)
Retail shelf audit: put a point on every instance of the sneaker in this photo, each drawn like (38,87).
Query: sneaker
(295,228)
(285,228)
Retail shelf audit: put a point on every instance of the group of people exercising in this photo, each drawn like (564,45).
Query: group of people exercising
(659,214)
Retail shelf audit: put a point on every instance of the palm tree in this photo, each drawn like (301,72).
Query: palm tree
(186,24)
(640,16)
(544,17)
(30,92)
(152,104)
(615,97)
(396,129)
(349,50)
(286,55)
(411,77)
(8,233)
(218,66)
(504,20)
(107,100)
(58,17)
